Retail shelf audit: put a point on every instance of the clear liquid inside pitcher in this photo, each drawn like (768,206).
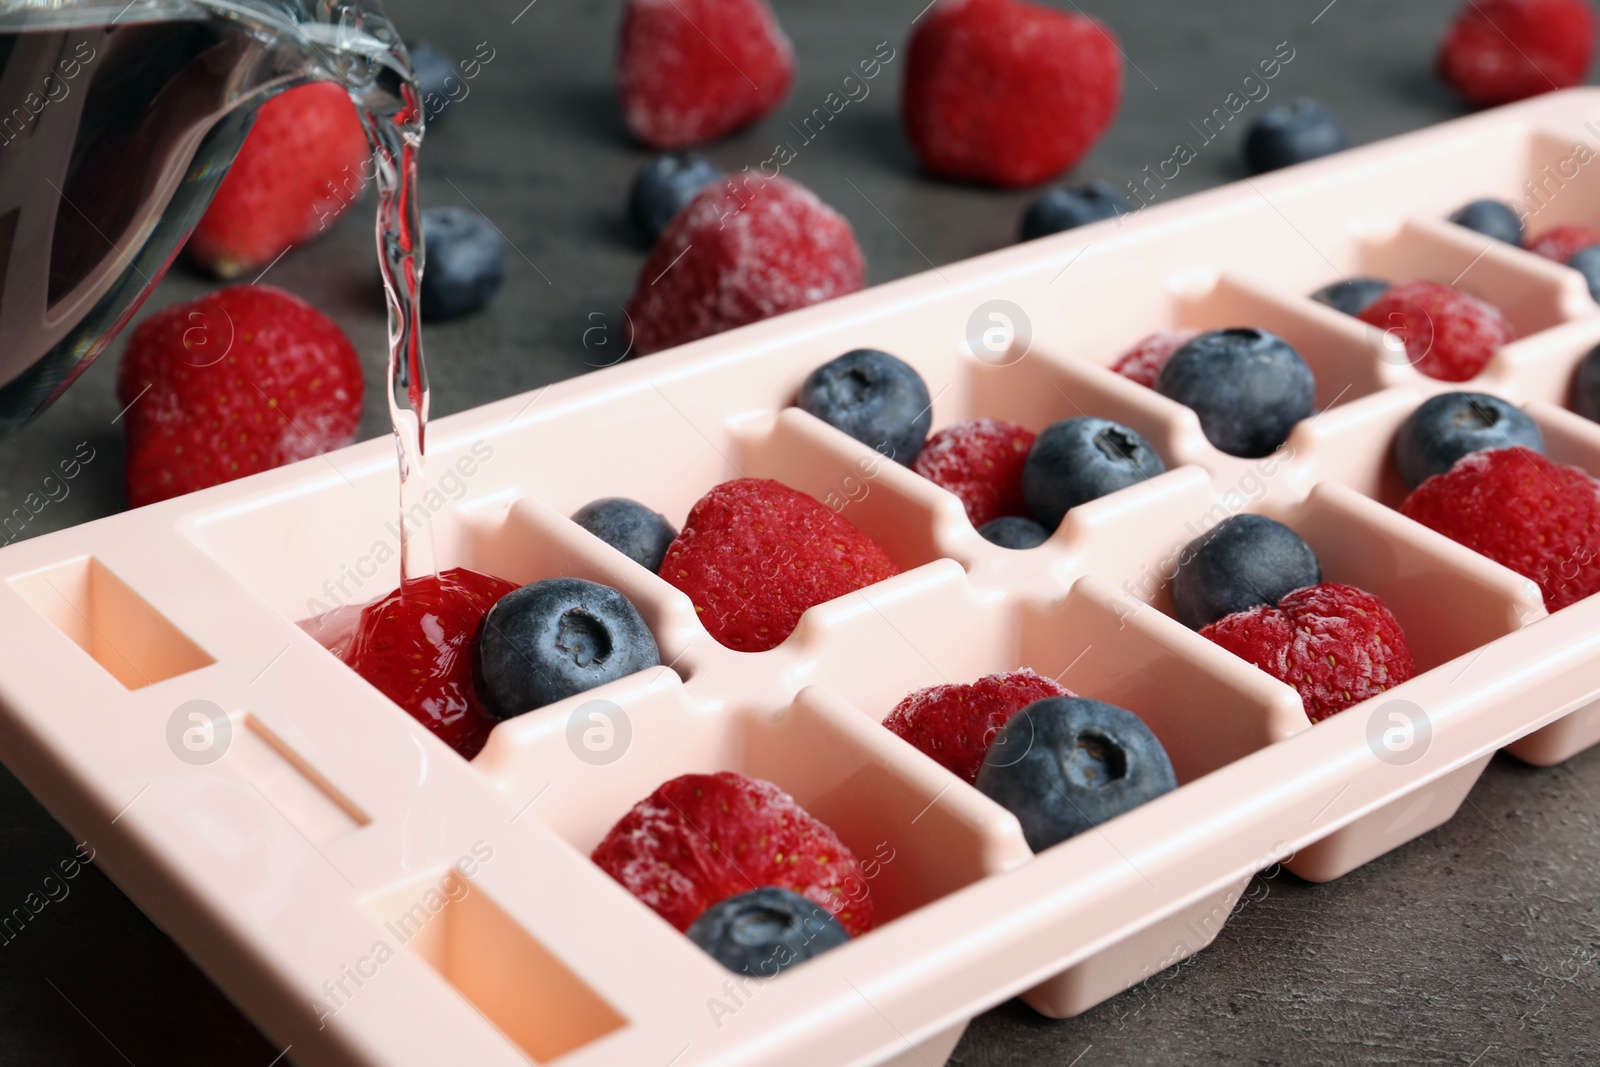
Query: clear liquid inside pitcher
(117,124)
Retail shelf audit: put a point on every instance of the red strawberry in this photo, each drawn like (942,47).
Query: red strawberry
(1538,517)
(738,254)
(306,160)
(1008,92)
(954,724)
(755,554)
(702,838)
(239,381)
(415,647)
(690,71)
(980,461)
(1498,51)
(1335,644)
(1560,242)
(1447,334)
(1144,361)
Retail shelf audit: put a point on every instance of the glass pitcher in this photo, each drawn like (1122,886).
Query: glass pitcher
(117,123)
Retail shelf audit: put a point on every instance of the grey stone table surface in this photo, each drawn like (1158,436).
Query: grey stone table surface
(1478,944)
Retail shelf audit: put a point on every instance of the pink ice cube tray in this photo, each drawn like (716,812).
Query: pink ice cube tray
(370,898)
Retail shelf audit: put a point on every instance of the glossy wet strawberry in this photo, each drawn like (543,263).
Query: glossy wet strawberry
(415,647)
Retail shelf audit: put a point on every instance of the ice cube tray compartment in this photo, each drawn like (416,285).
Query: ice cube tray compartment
(333,816)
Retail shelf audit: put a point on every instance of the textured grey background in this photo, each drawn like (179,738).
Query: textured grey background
(1479,944)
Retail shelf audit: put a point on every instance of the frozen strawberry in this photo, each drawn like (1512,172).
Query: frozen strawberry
(1335,644)
(743,250)
(1536,516)
(1498,51)
(755,554)
(1446,333)
(691,71)
(415,647)
(953,724)
(1561,242)
(1007,92)
(239,381)
(306,160)
(701,838)
(980,461)
(1144,361)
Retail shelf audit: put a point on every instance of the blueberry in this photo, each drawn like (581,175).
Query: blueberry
(1586,261)
(664,186)
(556,637)
(1242,562)
(1290,133)
(1492,218)
(438,80)
(1248,386)
(1014,531)
(1450,425)
(875,398)
(1063,765)
(761,932)
(629,527)
(1586,386)
(1060,209)
(1078,460)
(1351,296)
(465,262)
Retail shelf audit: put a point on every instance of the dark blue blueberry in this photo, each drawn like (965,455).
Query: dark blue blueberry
(1450,425)
(1586,261)
(439,83)
(629,527)
(875,398)
(1248,386)
(1060,209)
(664,186)
(1243,562)
(1014,531)
(1586,386)
(464,265)
(1078,460)
(1292,132)
(556,637)
(1492,218)
(1064,765)
(1351,296)
(765,931)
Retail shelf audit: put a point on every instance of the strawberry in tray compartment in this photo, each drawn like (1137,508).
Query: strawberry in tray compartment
(954,724)
(1445,333)
(239,381)
(700,839)
(304,162)
(1007,92)
(415,647)
(980,461)
(754,554)
(1538,517)
(743,250)
(1144,360)
(1561,243)
(1251,585)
